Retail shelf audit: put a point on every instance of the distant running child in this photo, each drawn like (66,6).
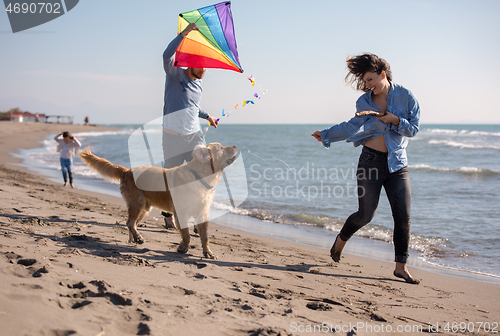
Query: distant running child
(67,146)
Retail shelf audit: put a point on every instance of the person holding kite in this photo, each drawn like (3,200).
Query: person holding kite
(181,110)
(205,39)
(387,115)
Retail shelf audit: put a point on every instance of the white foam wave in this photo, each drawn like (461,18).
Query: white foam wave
(462,145)
(431,260)
(464,170)
(425,245)
(497,134)
(461,132)
(290,219)
(86,171)
(103,133)
(231,209)
(442,131)
(125,131)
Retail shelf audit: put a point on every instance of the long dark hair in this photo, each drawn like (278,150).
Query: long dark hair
(67,134)
(361,64)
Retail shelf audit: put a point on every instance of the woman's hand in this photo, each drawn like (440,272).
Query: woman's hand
(317,135)
(389,118)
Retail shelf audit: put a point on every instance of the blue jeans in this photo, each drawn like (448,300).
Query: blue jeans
(66,168)
(373,174)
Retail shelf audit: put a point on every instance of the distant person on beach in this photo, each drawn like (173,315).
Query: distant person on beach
(66,147)
(181,110)
(86,121)
(383,161)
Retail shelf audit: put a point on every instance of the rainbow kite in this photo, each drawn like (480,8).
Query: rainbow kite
(214,44)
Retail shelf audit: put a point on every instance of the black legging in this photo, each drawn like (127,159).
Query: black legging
(372,174)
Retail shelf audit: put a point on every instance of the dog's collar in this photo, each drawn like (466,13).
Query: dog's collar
(205,184)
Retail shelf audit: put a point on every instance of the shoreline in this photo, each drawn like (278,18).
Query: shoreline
(259,285)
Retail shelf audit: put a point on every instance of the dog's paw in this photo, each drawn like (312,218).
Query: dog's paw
(182,248)
(209,255)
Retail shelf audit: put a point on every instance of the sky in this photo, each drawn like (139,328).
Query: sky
(103,59)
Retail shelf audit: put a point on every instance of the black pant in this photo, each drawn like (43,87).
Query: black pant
(372,174)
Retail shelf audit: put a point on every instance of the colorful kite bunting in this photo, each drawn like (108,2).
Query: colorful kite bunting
(213,45)
(246,102)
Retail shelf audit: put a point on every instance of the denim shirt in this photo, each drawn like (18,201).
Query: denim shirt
(400,102)
(181,108)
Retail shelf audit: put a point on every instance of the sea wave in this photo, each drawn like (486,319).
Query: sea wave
(301,218)
(125,131)
(437,262)
(462,145)
(461,132)
(461,170)
(104,133)
(428,247)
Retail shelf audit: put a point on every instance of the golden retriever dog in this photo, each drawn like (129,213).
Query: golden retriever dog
(185,191)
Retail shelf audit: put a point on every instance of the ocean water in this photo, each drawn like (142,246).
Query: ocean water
(286,185)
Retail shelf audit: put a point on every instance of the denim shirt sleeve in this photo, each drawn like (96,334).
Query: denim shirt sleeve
(168,55)
(202,114)
(409,123)
(341,131)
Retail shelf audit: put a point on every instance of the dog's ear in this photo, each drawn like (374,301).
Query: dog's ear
(201,153)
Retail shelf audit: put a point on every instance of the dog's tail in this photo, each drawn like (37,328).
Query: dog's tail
(102,166)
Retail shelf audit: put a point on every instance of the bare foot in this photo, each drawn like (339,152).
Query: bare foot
(402,272)
(72,186)
(336,250)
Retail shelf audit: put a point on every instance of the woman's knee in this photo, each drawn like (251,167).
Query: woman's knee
(355,222)
(365,215)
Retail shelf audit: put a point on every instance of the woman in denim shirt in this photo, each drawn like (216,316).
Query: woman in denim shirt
(383,160)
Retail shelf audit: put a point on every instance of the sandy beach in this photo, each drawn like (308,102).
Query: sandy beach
(66,269)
